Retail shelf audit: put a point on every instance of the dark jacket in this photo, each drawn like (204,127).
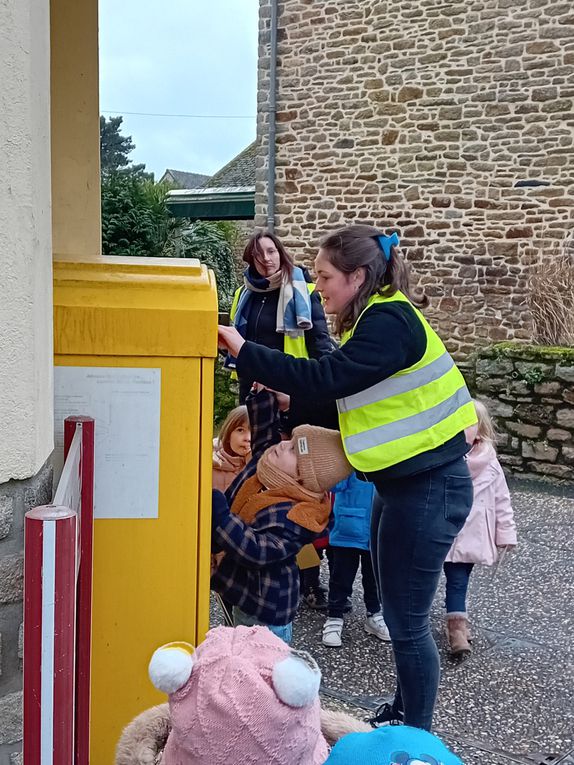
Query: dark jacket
(262,322)
(259,572)
(389,337)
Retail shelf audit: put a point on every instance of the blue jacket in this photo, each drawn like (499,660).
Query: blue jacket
(352,513)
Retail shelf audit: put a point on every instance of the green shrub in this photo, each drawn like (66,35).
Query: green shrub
(135,218)
(225,394)
(211,243)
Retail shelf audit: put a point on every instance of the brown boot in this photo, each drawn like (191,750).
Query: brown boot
(457,633)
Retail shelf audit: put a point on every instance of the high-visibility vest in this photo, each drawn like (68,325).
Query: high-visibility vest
(292,346)
(411,412)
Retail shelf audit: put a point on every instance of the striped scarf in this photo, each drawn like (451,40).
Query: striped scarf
(293,306)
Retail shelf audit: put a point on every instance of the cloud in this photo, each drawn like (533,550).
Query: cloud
(181,57)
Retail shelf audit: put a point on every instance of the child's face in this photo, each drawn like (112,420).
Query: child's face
(240,440)
(283,456)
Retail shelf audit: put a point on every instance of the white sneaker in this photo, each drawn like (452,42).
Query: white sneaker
(332,630)
(375,625)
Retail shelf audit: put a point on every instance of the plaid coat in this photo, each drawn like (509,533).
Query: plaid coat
(258,573)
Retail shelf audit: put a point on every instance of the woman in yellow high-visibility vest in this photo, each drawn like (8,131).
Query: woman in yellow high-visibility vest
(277,306)
(402,407)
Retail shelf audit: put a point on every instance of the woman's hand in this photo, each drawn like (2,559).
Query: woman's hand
(229,338)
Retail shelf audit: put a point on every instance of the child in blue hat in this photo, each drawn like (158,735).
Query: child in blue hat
(392,745)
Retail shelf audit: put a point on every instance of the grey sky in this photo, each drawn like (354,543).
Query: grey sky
(181,57)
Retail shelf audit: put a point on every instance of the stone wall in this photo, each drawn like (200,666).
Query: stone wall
(529,390)
(452,122)
(16,498)
(245,229)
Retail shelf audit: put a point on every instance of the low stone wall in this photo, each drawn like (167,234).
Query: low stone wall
(529,391)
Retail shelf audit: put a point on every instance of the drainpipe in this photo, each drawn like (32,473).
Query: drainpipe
(271,117)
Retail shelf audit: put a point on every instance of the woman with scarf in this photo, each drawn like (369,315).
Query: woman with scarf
(277,306)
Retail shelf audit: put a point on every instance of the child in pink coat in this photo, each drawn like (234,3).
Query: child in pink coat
(489,528)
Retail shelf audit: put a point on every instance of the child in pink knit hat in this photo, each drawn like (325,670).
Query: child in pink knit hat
(241,697)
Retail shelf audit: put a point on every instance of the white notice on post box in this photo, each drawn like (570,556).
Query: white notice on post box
(125,404)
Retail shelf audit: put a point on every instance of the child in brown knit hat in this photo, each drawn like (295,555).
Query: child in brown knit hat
(314,457)
(276,506)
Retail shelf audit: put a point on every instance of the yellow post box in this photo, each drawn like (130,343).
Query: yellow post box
(135,343)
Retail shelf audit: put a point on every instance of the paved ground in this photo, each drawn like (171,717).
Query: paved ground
(512,701)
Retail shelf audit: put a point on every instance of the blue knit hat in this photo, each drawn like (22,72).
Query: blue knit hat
(392,745)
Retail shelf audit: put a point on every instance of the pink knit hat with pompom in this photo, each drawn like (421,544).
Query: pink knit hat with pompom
(242,697)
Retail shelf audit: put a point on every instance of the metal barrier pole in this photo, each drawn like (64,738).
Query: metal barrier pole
(50,544)
(84,584)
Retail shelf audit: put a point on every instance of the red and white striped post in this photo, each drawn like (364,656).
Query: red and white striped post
(57,610)
(84,583)
(49,635)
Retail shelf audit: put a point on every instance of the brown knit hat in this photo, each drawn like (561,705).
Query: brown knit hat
(321,461)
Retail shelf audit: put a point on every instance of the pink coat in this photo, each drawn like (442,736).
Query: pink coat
(490,523)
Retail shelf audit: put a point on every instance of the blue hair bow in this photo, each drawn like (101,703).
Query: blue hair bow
(386,242)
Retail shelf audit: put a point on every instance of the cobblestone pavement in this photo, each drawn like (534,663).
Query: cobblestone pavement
(512,701)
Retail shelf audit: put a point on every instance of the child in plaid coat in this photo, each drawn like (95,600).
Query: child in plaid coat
(276,506)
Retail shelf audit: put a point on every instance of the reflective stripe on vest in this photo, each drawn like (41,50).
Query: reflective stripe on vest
(292,346)
(393,386)
(413,411)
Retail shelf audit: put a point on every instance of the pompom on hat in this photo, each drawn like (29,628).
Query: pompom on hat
(392,745)
(321,460)
(242,696)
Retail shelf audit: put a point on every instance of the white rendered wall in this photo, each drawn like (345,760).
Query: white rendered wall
(26,324)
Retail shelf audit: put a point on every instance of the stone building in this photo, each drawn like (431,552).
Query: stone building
(452,122)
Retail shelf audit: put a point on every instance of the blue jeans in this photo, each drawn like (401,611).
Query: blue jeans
(415,520)
(457,579)
(284,631)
